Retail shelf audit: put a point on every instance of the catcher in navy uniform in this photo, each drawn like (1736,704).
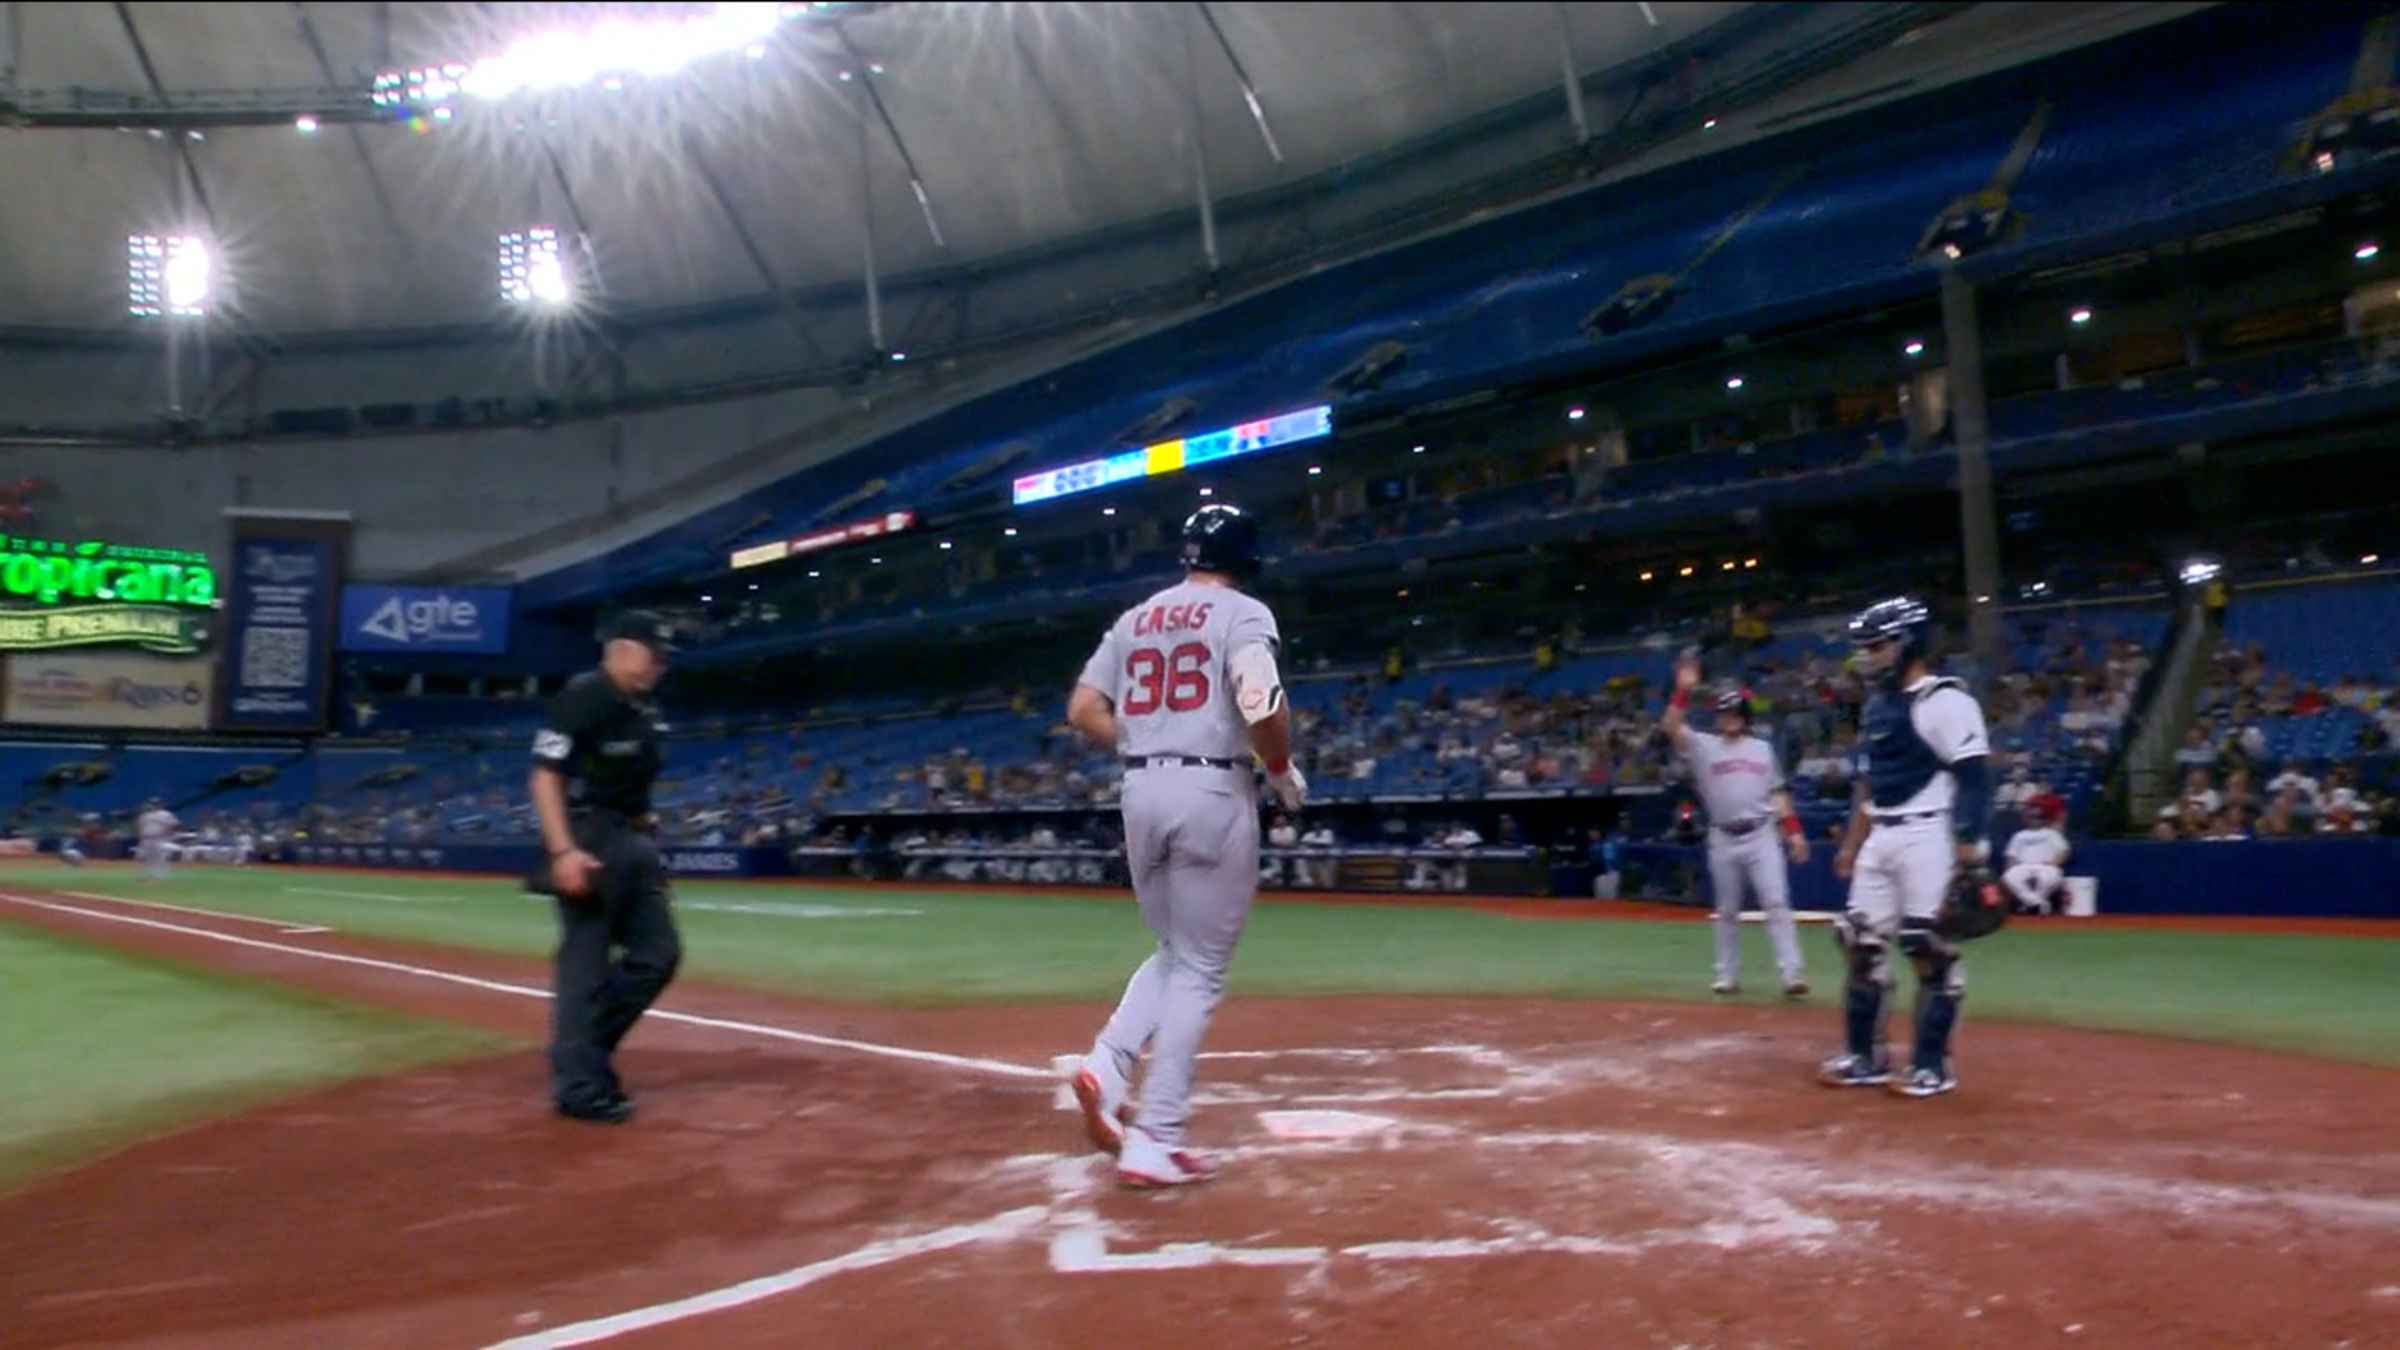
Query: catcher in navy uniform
(1914,853)
(593,763)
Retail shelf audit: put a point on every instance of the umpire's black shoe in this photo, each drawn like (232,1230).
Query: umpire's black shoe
(613,1109)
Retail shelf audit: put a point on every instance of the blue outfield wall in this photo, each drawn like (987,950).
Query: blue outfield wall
(519,859)
(2353,878)
(2300,878)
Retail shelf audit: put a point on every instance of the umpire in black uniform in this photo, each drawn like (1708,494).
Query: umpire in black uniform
(593,763)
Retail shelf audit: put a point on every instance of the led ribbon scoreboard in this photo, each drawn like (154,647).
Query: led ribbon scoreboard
(1171,456)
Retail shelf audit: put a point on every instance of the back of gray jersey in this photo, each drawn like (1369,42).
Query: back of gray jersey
(1164,665)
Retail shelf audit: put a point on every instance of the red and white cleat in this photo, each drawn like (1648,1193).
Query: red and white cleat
(1147,1164)
(1105,1109)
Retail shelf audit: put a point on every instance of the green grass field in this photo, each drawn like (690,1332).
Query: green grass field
(103,1049)
(2329,996)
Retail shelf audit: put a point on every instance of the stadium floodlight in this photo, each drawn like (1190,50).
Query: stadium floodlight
(2080,315)
(167,275)
(305,124)
(1915,347)
(2200,571)
(2367,251)
(532,268)
(607,52)
(1733,382)
(1575,414)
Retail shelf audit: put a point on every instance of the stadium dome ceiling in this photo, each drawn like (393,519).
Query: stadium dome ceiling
(737,173)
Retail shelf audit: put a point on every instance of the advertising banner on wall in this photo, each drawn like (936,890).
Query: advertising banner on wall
(83,690)
(59,593)
(465,619)
(282,588)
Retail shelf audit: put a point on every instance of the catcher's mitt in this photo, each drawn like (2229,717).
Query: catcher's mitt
(1974,908)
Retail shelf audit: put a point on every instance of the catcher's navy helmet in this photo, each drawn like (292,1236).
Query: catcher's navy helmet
(1221,538)
(1902,618)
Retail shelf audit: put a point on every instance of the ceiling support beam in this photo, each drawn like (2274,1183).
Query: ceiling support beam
(358,140)
(1572,78)
(1208,205)
(1258,114)
(751,249)
(583,228)
(866,216)
(183,145)
(863,71)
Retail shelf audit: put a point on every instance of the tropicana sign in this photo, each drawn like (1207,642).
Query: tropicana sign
(145,596)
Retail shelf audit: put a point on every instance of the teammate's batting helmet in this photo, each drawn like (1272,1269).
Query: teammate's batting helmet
(1221,538)
(1735,701)
(1903,619)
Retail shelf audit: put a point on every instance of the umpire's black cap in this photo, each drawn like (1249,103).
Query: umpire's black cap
(642,626)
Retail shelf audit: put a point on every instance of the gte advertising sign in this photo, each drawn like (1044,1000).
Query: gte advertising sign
(97,593)
(417,619)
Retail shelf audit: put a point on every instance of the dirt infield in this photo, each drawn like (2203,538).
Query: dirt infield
(1401,1172)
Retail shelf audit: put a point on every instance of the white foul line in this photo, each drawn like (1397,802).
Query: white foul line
(991,1066)
(285,926)
(1014,1223)
(368,895)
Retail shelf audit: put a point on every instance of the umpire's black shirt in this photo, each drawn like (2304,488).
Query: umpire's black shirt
(605,743)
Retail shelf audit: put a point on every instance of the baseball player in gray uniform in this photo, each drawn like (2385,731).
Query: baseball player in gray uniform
(1742,786)
(1184,686)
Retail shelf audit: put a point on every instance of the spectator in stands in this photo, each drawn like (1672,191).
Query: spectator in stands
(2342,810)
(2037,858)
(2226,827)
(1317,873)
(2237,793)
(2196,752)
(2282,818)
(1281,834)
(2279,697)
(2295,780)
(1607,857)
(2021,788)
(2188,816)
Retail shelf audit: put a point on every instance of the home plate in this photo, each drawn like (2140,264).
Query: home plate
(1322,1124)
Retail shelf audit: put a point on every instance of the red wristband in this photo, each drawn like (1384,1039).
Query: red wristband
(1279,768)
(1791,827)
(1681,701)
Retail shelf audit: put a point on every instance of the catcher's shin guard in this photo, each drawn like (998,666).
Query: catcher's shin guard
(1868,963)
(1941,988)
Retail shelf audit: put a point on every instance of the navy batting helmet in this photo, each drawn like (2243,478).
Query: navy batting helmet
(1903,619)
(1221,538)
(1735,701)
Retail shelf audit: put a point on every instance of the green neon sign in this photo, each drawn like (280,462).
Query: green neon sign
(151,628)
(54,572)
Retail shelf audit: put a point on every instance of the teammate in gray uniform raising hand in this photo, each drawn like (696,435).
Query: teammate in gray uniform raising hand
(1184,686)
(1742,786)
